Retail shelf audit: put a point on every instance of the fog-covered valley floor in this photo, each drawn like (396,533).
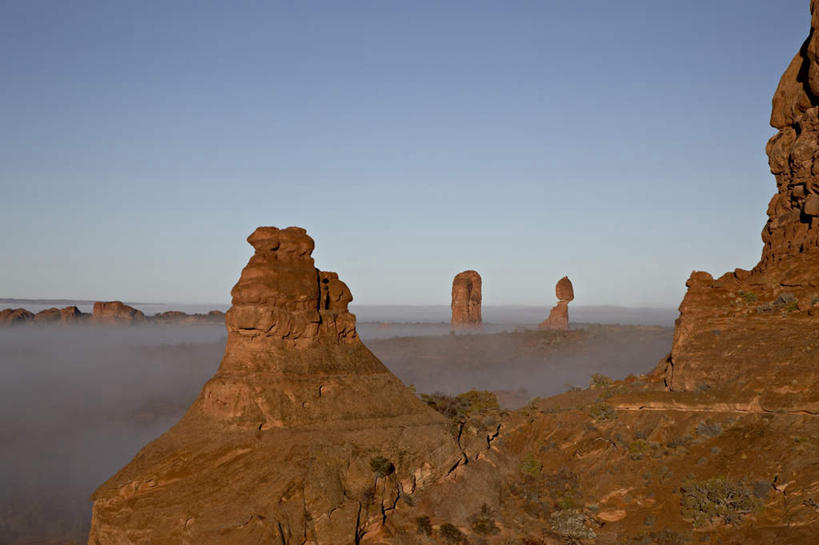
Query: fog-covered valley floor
(76,403)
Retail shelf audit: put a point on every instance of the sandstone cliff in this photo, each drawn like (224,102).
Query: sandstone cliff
(559,315)
(302,434)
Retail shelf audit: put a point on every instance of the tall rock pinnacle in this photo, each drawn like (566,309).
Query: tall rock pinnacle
(466,300)
(302,434)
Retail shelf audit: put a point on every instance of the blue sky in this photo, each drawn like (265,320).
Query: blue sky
(621,143)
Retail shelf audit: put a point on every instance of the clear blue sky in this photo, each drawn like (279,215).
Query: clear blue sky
(621,143)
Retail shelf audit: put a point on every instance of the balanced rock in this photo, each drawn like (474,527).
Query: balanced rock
(13,316)
(466,300)
(559,315)
(301,436)
(116,312)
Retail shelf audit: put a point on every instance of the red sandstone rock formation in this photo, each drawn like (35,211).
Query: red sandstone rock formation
(559,315)
(466,300)
(116,312)
(301,436)
(67,315)
(13,316)
(740,328)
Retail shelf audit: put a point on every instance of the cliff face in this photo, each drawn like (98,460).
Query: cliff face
(742,329)
(302,434)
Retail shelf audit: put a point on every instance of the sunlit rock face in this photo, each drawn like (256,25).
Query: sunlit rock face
(116,313)
(559,315)
(466,300)
(751,329)
(301,436)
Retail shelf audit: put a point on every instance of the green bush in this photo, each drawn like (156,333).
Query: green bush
(749,296)
(483,523)
(423,525)
(599,381)
(451,533)
(530,466)
(381,466)
(718,498)
(602,412)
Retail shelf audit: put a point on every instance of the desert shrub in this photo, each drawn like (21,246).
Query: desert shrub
(483,523)
(792,307)
(599,380)
(571,524)
(767,308)
(563,487)
(479,401)
(423,525)
(602,412)
(717,498)
(709,429)
(451,533)
(530,466)
(381,466)
(682,441)
(749,296)
(762,489)
(460,407)
(784,300)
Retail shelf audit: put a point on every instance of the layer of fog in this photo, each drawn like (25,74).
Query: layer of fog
(496,317)
(77,403)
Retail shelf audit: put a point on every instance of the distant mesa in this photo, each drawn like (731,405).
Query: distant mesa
(466,300)
(67,315)
(285,442)
(559,316)
(13,316)
(116,312)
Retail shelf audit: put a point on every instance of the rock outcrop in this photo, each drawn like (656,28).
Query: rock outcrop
(116,312)
(466,300)
(301,436)
(67,315)
(559,315)
(742,328)
(14,316)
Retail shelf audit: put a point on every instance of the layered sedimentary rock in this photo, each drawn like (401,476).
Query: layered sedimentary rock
(559,315)
(466,300)
(67,315)
(116,312)
(13,316)
(176,317)
(301,436)
(743,328)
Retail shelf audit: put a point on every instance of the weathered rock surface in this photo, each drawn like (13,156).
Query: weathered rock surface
(743,328)
(559,315)
(13,316)
(466,300)
(67,315)
(116,312)
(301,436)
